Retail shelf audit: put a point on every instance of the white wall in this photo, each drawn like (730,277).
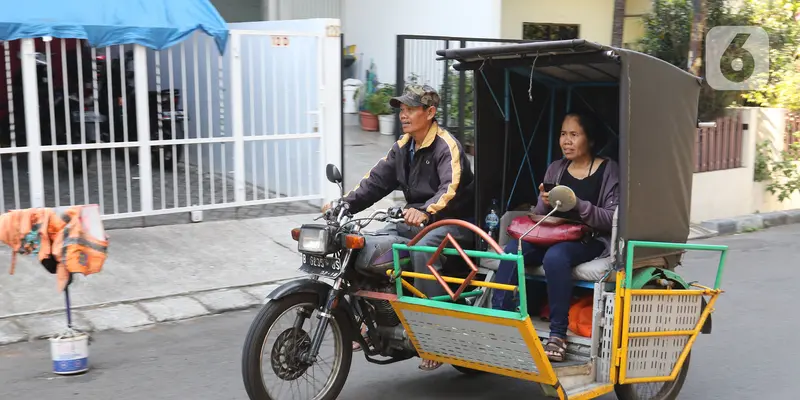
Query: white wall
(373,26)
(730,193)
(594,16)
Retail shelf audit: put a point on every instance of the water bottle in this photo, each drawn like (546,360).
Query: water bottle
(492,221)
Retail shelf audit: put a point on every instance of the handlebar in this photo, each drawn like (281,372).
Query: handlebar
(339,212)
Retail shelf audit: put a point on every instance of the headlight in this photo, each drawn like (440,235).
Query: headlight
(313,240)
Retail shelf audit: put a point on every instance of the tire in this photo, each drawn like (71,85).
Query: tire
(467,371)
(255,342)
(669,390)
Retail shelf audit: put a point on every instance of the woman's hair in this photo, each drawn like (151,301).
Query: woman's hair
(592,127)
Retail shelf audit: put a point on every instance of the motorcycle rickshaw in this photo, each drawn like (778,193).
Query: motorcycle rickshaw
(645,317)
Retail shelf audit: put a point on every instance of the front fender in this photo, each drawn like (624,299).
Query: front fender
(303,285)
(321,290)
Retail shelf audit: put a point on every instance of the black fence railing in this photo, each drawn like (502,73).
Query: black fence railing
(416,63)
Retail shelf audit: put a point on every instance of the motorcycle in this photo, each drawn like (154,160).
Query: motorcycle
(359,296)
(163,116)
(59,117)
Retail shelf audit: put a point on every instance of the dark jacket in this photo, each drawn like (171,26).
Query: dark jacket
(439,181)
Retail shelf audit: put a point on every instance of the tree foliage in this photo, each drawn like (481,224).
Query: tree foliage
(668,31)
(780,19)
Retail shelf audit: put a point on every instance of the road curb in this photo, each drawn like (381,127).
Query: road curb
(750,222)
(135,314)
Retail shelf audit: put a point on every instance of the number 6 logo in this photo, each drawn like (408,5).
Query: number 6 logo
(737,57)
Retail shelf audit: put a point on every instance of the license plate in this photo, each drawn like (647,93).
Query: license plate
(171,114)
(328,267)
(88,116)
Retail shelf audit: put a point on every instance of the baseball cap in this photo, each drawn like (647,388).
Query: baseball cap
(416,95)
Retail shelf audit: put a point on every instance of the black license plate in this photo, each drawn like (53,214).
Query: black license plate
(323,266)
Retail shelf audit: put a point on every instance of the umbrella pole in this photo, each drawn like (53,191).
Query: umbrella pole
(69,312)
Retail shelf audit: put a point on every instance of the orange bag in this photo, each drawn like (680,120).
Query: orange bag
(580,315)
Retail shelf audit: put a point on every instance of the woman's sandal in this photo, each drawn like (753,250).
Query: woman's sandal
(429,365)
(356,345)
(556,349)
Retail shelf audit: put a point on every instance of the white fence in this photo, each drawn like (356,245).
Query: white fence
(178,130)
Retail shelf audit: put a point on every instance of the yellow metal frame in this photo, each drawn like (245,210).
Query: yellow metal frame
(525,327)
(623,335)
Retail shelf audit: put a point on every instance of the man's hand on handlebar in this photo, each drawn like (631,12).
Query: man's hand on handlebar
(414,217)
(326,207)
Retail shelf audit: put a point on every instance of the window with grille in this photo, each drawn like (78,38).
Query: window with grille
(537,31)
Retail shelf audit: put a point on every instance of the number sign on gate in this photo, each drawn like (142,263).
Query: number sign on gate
(280,41)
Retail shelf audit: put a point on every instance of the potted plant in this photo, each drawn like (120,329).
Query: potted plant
(377,104)
(369,121)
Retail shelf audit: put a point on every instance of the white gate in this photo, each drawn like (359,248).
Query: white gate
(240,134)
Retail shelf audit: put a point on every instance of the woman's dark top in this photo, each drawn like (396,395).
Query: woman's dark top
(587,189)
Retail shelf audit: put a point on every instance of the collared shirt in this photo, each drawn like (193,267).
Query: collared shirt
(412,150)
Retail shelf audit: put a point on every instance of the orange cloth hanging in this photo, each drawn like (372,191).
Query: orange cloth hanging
(74,236)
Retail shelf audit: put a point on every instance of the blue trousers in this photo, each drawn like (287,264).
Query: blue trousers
(558,261)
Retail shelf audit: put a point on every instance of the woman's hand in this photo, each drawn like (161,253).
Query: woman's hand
(545,195)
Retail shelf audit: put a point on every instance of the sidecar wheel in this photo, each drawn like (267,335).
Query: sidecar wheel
(655,390)
(467,371)
(271,351)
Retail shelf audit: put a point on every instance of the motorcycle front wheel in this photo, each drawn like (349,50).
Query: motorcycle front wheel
(273,367)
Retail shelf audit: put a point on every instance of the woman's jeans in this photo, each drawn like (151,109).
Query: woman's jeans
(558,261)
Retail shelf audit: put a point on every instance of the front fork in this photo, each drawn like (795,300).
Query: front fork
(326,313)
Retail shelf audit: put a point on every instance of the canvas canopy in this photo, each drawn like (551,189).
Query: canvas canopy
(648,108)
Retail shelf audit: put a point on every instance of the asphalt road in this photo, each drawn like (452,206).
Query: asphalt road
(751,354)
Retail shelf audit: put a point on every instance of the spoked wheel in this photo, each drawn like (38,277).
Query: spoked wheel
(274,362)
(655,390)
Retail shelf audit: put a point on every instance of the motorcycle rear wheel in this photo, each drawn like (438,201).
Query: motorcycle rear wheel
(285,365)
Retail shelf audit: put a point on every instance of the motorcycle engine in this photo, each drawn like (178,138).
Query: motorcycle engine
(384,313)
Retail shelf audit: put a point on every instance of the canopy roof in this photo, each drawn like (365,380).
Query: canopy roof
(156,24)
(651,104)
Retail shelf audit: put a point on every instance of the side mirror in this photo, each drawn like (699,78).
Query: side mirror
(333,174)
(565,196)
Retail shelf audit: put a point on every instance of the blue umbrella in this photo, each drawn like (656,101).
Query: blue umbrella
(157,24)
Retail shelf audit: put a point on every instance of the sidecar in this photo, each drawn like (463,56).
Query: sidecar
(645,317)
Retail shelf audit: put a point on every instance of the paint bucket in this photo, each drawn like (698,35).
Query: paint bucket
(70,353)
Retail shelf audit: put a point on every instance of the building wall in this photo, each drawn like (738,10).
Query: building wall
(241,10)
(595,17)
(372,26)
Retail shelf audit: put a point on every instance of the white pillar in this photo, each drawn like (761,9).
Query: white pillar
(30,93)
(142,98)
(270,9)
(331,103)
(237,119)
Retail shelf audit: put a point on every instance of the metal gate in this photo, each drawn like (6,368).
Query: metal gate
(180,132)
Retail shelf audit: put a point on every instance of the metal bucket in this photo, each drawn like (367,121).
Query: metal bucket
(70,353)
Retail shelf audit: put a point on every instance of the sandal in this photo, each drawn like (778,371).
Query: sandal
(429,365)
(356,345)
(556,349)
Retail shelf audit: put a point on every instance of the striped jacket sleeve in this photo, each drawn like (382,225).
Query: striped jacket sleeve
(376,184)
(448,166)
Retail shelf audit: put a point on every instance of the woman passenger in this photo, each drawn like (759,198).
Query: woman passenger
(595,181)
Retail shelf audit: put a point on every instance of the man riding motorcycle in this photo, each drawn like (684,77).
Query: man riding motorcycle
(429,165)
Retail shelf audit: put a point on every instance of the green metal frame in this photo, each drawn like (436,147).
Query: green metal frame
(445,302)
(633,244)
